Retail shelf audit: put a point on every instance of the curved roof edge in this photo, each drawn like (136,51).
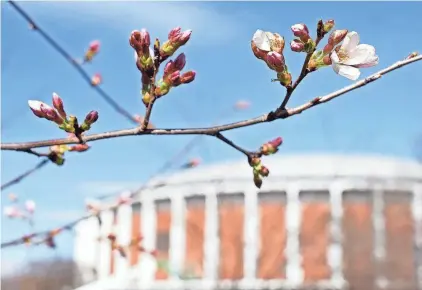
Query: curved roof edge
(308,164)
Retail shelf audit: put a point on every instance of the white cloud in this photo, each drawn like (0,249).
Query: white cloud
(207,23)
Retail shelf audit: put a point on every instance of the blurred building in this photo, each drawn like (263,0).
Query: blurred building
(319,221)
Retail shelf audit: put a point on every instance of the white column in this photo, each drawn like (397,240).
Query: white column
(124,236)
(86,248)
(147,264)
(105,248)
(211,243)
(294,271)
(177,235)
(251,234)
(379,233)
(335,250)
(417,216)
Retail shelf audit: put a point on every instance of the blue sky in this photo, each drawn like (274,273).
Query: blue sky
(379,118)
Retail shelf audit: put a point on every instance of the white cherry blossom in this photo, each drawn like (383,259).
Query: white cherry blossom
(351,56)
(262,40)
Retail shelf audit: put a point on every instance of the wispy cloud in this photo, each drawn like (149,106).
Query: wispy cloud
(208,22)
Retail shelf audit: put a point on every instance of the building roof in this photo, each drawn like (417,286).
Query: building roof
(304,165)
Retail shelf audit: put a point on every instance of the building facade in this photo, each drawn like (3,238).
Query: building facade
(318,222)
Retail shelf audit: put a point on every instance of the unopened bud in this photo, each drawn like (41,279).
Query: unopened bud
(180,62)
(188,77)
(35,107)
(96,79)
(328,25)
(79,147)
(271,147)
(297,45)
(58,105)
(285,78)
(264,171)
(275,61)
(254,161)
(161,89)
(337,36)
(91,117)
(301,30)
(93,49)
(257,180)
(111,237)
(412,55)
(327,60)
(169,68)
(174,78)
(328,48)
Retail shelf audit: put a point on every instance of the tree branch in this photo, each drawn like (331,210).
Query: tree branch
(212,131)
(25,174)
(109,100)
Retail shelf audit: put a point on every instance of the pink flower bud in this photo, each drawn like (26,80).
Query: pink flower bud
(337,36)
(297,46)
(192,163)
(51,114)
(242,105)
(169,68)
(179,38)
(328,25)
(275,61)
(300,30)
(174,78)
(91,117)
(188,77)
(30,206)
(180,62)
(79,147)
(35,107)
(94,46)
(96,79)
(145,38)
(327,60)
(58,105)
(174,33)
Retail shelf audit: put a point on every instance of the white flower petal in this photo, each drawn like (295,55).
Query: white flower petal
(261,40)
(360,55)
(372,61)
(35,105)
(135,56)
(334,57)
(349,72)
(350,42)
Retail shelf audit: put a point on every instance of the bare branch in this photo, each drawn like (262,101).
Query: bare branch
(212,131)
(25,174)
(109,100)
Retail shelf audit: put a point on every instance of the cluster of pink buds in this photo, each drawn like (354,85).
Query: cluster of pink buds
(96,79)
(176,39)
(13,211)
(58,115)
(303,41)
(259,170)
(271,147)
(172,76)
(269,46)
(93,49)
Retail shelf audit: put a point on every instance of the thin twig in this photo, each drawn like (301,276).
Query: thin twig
(269,117)
(25,174)
(109,100)
(303,73)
